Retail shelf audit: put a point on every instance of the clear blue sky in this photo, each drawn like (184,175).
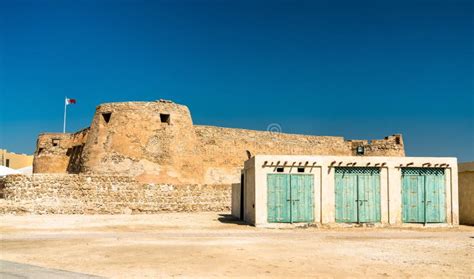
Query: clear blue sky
(358,69)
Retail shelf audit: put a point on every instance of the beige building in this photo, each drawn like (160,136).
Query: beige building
(14,160)
(402,191)
(466,193)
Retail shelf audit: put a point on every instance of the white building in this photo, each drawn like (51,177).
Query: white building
(345,190)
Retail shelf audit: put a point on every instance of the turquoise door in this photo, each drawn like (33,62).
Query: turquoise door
(278,195)
(423,194)
(302,197)
(346,196)
(290,198)
(357,195)
(368,182)
(435,197)
(413,197)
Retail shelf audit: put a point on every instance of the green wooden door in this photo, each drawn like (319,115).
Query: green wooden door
(346,196)
(424,197)
(413,198)
(369,195)
(435,196)
(302,197)
(278,195)
(357,195)
(290,198)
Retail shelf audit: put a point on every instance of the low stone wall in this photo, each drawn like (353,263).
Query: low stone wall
(89,194)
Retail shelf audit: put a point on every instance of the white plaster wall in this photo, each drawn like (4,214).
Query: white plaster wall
(322,168)
(384,196)
(249,191)
(394,199)
(453,174)
(328,197)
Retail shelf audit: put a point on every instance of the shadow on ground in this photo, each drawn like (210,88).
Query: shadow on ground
(229,219)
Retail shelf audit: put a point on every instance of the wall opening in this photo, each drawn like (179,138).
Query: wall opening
(397,140)
(165,118)
(7,163)
(55,142)
(280,169)
(300,169)
(40,150)
(106,116)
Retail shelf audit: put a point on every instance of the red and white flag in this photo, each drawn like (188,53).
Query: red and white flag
(70,101)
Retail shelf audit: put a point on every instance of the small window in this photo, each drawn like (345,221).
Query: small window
(106,116)
(280,169)
(55,142)
(397,140)
(360,150)
(300,169)
(40,150)
(165,118)
(7,163)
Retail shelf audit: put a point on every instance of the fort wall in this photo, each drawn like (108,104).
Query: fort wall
(156,142)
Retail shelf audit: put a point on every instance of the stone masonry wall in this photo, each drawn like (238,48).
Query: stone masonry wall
(92,194)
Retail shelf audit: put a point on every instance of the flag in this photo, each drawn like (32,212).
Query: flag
(70,101)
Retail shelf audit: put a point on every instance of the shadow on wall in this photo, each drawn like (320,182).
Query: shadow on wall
(74,154)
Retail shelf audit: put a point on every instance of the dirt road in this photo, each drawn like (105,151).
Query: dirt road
(210,244)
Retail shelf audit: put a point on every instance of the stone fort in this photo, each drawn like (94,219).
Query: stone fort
(157,142)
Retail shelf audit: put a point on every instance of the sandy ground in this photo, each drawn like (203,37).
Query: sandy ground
(213,245)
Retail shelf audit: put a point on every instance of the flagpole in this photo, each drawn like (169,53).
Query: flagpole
(64,122)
